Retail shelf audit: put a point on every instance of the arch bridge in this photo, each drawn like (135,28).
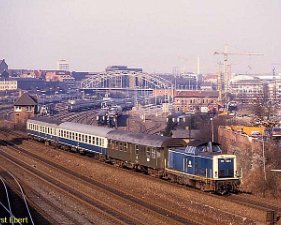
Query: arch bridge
(127,80)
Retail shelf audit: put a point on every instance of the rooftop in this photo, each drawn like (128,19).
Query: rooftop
(197,94)
(26,100)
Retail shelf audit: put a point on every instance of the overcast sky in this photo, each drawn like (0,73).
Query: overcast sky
(156,35)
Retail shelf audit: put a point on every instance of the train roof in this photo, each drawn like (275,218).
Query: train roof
(207,149)
(44,120)
(138,138)
(86,129)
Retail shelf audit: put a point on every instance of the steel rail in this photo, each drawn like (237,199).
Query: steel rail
(8,200)
(23,196)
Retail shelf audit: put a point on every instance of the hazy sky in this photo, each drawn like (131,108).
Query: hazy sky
(156,35)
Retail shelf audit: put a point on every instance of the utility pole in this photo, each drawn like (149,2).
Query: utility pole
(263,156)
(212,129)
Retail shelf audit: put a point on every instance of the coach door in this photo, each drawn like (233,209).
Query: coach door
(137,150)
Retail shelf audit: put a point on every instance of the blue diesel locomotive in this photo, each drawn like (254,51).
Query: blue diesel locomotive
(201,165)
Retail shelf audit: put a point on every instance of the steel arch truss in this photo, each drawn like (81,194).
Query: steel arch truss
(125,79)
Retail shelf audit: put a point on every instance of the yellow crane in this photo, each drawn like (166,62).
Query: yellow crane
(224,78)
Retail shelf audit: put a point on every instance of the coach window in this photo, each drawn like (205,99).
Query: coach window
(125,147)
(147,152)
(90,139)
(98,141)
(116,145)
(121,146)
(102,142)
(93,141)
(76,136)
(86,138)
(153,153)
(79,139)
(83,137)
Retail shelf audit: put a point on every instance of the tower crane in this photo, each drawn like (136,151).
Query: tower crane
(274,81)
(224,78)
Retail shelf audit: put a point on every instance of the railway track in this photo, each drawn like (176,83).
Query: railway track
(160,213)
(13,205)
(272,212)
(116,216)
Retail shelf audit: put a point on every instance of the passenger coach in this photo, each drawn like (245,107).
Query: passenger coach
(144,152)
(73,136)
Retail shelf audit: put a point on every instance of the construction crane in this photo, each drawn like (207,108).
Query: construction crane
(223,84)
(274,81)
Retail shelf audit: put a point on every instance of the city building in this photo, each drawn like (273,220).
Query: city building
(122,68)
(258,88)
(8,84)
(167,93)
(30,83)
(3,66)
(58,75)
(24,108)
(246,88)
(63,65)
(192,100)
